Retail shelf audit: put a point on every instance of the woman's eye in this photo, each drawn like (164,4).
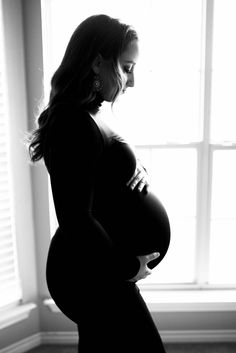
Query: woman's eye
(128,70)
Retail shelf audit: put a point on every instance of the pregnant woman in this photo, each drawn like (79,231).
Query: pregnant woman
(112,229)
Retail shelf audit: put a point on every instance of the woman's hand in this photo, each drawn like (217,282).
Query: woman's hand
(140,179)
(144,271)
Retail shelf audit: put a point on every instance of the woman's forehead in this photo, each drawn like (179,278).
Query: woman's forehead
(130,55)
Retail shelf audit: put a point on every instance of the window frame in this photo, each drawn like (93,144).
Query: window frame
(205,150)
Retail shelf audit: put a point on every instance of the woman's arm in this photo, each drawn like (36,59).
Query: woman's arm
(77,139)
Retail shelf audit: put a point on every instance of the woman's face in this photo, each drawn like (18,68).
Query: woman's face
(127,63)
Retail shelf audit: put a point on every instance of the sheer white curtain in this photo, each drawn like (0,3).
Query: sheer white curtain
(10,290)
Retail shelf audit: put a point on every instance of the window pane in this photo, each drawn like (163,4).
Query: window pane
(172,174)
(178,264)
(165,100)
(224,71)
(223,218)
(173,179)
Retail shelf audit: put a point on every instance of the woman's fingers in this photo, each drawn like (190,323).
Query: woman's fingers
(152,256)
(138,180)
(135,179)
(142,184)
(148,272)
(144,271)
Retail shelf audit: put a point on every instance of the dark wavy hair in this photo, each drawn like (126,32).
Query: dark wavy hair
(73,80)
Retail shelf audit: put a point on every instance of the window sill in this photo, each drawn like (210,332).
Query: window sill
(181,300)
(190,300)
(16,314)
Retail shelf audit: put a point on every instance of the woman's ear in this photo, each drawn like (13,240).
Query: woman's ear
(97,63)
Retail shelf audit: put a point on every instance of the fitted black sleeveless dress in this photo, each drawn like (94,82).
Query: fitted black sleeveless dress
(103,226)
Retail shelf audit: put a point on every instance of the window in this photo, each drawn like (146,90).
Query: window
(184,122)
(223,146)
(10,290)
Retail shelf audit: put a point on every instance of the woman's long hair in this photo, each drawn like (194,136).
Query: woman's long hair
(73,80)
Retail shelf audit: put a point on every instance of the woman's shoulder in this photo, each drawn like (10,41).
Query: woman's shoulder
(69,116)
(67,112)
(72,122)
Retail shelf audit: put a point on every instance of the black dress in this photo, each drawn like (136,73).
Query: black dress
(103,226)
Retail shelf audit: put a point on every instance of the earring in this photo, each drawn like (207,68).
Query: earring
(97,83)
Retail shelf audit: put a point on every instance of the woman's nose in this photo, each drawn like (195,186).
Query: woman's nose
(130,81)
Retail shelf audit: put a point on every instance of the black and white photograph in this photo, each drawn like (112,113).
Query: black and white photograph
(118,176)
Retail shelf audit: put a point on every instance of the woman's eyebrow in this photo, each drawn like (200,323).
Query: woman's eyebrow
(130,62)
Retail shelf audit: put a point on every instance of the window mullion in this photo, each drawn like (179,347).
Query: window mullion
(205,155)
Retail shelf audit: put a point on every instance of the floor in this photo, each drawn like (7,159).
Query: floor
(201,348)
(170,348)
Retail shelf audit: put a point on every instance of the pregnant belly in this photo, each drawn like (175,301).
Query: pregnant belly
(138,222)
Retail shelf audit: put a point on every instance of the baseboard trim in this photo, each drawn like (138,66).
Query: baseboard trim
(194,336)
(198,336)
(23,345)
(71,338)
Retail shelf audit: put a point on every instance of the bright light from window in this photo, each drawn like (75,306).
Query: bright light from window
(224,72)
(223,218)
(173,179)
(164,105)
